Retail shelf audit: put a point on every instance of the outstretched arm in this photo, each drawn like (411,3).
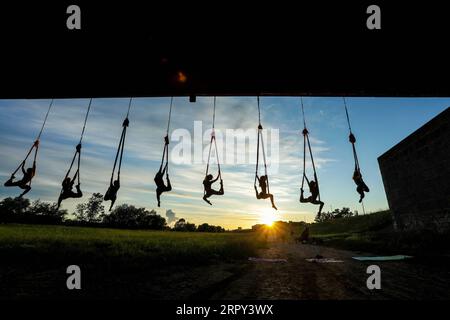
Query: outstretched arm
(217,178)
(23,167)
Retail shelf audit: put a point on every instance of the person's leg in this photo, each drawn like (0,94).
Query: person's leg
(318,202)
(11,183)
(158,196)
(321,207)
(365,187)
(217,193)
(169,186)
(360,190)
(78,194)
(206,196)
(306,200)
(27,188)
(257,193)
(113,199)
(62,197)
(302,198)
(271,200)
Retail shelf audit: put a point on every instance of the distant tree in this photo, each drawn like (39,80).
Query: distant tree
(183,225)
(128,216)
(14,205)
(204,227)
(46,212)
(190,227)
(13,209)
(19,210)
(180,225)
(335,214)
(92,211)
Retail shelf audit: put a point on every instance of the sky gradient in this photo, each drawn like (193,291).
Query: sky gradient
(378,124)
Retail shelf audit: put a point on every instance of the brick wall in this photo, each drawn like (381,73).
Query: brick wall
(416,177)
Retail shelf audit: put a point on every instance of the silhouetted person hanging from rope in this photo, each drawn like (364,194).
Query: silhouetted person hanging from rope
(67,190)
(25,182)
(114,184)
(208,190)
(162,186)
(209,178)
(68,183)
(313,185)
(357,176)
(29,173)
(314,190)
(262,181)
(361,185)
(159,177)
(111,193)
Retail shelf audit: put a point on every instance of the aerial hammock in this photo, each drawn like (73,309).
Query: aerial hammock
(357,176)
(114,185)
(209,178)
(67,183)
(161,186)
(28,174)
(313,185)
(263,181)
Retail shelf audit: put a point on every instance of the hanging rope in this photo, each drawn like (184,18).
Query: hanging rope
(351,138)
(213,140)
(170,116)
(35,145)
(77,154)
(165,154)
(121,145)
(357,176)
(45,120)
(306,143)
(260,142)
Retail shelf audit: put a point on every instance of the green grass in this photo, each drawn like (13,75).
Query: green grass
(345,226)
(130,247)
(374,233)
(367,233)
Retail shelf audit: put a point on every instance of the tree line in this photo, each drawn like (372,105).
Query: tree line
(92,213)
(336,214)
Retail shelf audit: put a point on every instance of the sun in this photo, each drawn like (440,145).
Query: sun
(267,217)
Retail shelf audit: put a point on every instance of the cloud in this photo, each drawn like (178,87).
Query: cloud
(171,217)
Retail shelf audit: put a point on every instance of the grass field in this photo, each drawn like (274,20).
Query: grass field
(116,263)
(131,246)
(375,233)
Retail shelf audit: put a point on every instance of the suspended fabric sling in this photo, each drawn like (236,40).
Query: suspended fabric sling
(264,180)
(213,141)
(114,184)
(164,167)
(76,157)
(352,140)
(307,144)
(208,191)
(34,147)
(165,155)
(260,146)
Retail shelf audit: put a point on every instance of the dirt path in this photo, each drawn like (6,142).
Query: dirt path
(294,279)
(300,279)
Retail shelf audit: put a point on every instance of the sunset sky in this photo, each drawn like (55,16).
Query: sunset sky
(378,123)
